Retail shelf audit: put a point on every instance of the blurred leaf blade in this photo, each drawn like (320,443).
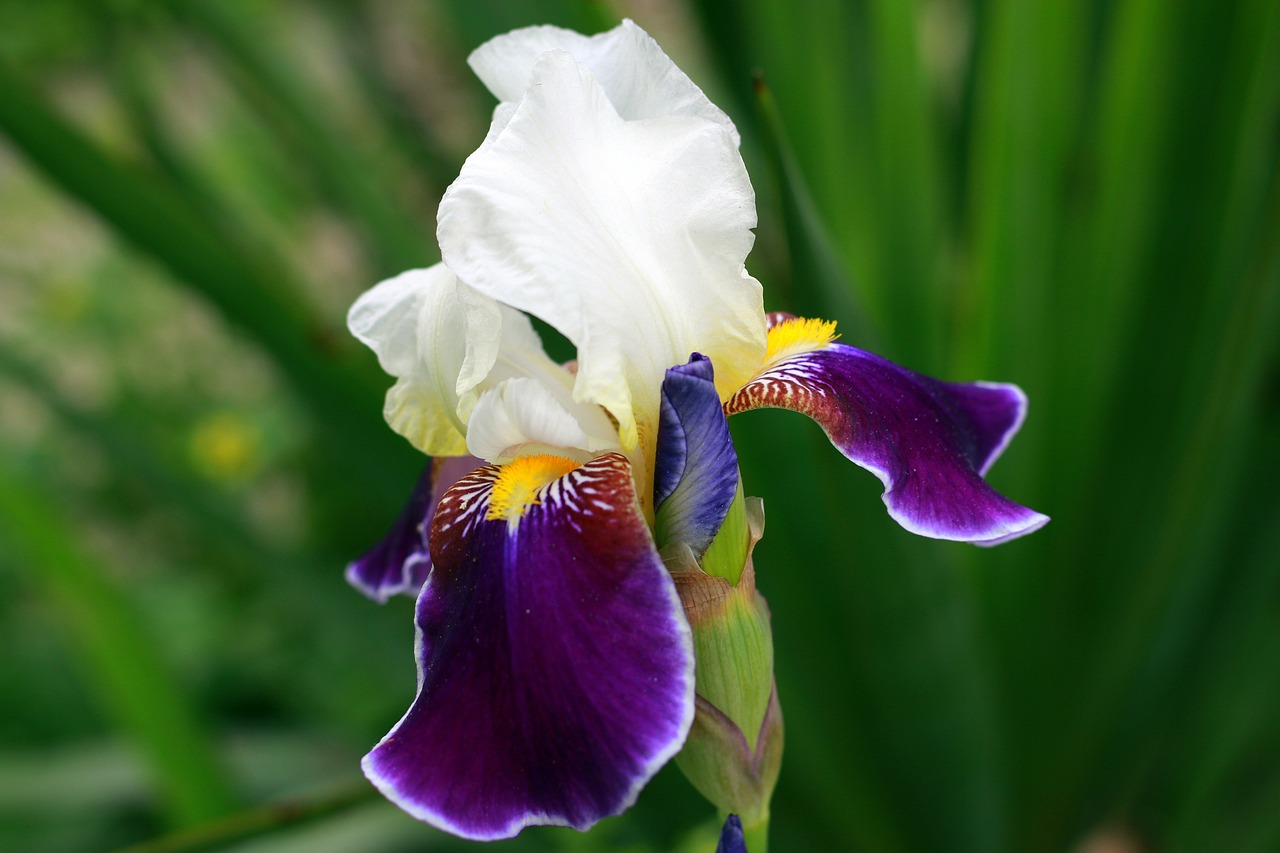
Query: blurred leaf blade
(396,239)
(151,216)
(120,659)
(911,195)
(819,285)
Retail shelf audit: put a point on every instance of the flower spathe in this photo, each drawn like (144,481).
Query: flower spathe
(555,659)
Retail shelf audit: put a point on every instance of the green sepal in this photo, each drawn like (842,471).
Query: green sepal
(742,528)
(734,749)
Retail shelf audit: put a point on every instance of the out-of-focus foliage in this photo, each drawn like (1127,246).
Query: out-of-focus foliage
(1082,198)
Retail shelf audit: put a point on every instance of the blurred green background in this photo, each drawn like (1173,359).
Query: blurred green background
(1079,197)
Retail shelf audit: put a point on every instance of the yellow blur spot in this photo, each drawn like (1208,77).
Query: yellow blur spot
(797,335)
(226,447)
(520,484)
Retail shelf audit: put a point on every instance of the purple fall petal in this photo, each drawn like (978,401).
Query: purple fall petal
(928,441)
(731,838)
(696,472)
(400,562)
(995,411)
(555,663)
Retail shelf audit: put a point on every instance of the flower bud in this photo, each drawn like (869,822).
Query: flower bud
(734,749)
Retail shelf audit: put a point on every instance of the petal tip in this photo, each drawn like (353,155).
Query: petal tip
(388,787)
(1020,404)
(1033,522)
(993,528)
(379,593)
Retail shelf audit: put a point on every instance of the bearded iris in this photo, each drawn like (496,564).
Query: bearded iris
(556,662)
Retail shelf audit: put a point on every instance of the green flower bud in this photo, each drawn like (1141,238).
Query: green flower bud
(734,750)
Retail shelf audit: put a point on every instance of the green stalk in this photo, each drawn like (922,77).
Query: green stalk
(257,822)
(757,835)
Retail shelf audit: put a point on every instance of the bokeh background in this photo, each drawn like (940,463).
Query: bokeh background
(1079,197)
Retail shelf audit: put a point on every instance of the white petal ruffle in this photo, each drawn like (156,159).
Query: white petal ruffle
(639,79)
(627,236)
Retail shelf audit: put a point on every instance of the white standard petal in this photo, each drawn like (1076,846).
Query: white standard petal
(627,236)
(520,416)
(385,317)
(639,79)
(440,340)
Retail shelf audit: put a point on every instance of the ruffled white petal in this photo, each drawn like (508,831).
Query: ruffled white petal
(638,78)
(627,236)
(520,416)
(385,317)
(440,339)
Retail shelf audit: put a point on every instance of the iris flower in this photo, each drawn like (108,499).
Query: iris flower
(555,660)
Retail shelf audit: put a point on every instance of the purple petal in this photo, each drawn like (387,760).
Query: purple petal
(731,838)
(929,442)
(555,665)
(696,473)
(400,562)
(995,411)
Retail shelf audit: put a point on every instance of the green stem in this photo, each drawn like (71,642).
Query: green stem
(757,835)
(256,822)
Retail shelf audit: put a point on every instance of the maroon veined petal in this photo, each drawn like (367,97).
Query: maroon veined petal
(400,563)
(555,664)
(928,441)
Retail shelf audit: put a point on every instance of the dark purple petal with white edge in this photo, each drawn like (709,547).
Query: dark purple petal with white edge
(400,562)
(555,665)
(928,441)
(696,472)
(731,838)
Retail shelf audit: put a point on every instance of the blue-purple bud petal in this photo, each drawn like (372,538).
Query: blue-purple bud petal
(731,838)
(696,469)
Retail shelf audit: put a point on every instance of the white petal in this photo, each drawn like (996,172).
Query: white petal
(440,339)
(522,415)
(414,410)
(639,79)
(385,317)
(628,237)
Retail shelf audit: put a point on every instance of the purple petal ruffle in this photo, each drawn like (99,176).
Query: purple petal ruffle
(400,562)
(555,663)
(929,442)
(696,472)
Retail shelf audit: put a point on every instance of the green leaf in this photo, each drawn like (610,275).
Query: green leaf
(819,286)
(156,219)
(336,162)
(121,661)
